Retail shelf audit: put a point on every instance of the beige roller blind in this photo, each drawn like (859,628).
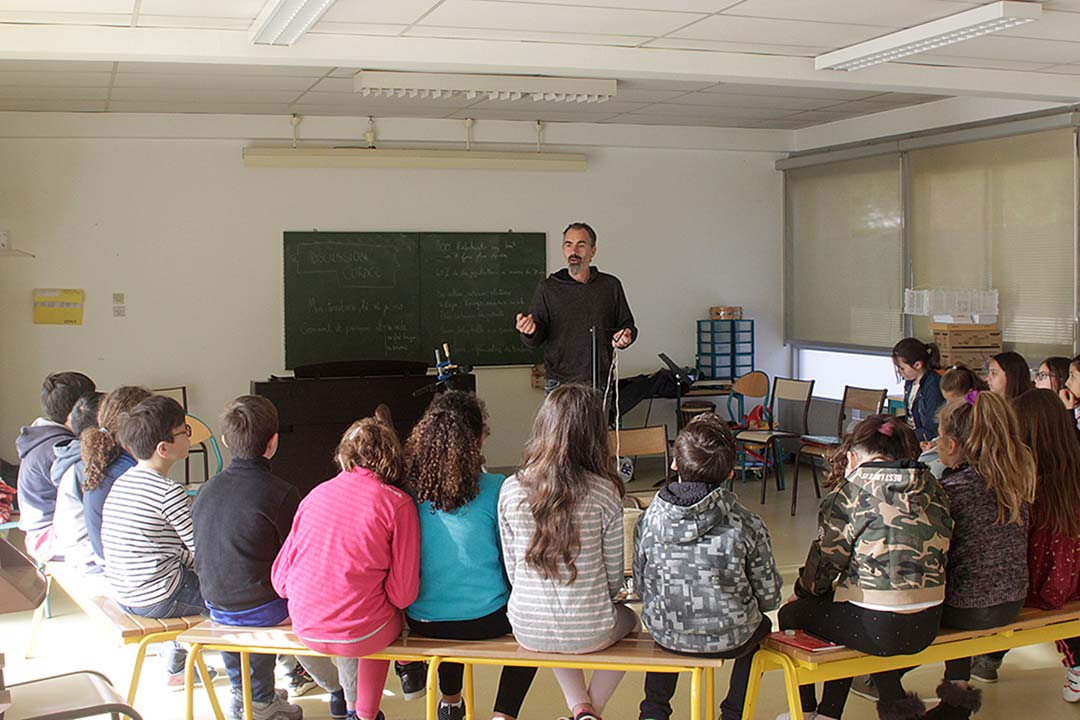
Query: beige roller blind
(843,257)
(1000,214)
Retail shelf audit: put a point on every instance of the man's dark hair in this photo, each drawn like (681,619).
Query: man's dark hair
(84,414)
(61,391)
(150,422)
(582,226)
(247,424)
(705,450)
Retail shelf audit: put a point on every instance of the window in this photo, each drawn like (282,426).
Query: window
(832,370)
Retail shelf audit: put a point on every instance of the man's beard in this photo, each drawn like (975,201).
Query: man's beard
(576,268)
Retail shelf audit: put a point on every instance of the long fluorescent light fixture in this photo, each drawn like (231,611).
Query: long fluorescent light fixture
(473,87)
(283,22)
(354,157)
(929,36)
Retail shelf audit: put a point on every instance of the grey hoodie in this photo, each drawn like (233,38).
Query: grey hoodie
(37,493)
(704,568)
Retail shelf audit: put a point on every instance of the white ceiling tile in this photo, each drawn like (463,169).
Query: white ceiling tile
(335,85)
(778,32)
(555,18)
(784,124)
(197,96)
(394,12)
(646,96)
(24,92)
(1000,47)
(215,69)
(694,6)
(1063,26)
(865,106)
(525,36)
(52,105)
(55,79)
(69,6)
(678,120)
(337,98)
(213,82)
(700,111)
(824,116)
(60,18)
(192,23)
(716,99)
(791,91)
(339,28)
(55,66)
(886,13)
(203,8)
(673,43)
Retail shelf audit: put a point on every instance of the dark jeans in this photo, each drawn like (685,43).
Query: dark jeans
(513,683)
(186,600)
(873,632)
(262,675)
(660,687)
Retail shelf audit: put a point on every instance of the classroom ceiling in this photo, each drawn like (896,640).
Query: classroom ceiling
(719,63)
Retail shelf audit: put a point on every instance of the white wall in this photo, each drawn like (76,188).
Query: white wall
(194,241)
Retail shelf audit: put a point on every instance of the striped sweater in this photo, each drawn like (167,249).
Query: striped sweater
(146,534)
(548,615)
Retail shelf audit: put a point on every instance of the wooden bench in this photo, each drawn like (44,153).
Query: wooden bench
(802,667)
(126,628)
(636,653)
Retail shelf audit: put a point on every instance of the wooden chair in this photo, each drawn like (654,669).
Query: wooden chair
(855,403)
(786,390)
(652,440)
(751,385)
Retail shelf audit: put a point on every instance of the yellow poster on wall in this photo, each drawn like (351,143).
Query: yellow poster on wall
(56,306)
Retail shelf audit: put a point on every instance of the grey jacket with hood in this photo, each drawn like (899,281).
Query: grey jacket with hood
(37,494)
(704,568)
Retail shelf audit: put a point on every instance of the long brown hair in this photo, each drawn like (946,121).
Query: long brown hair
(442,454)
(1058,369)
(100,447)
(881,435)
(989,434)
(1047,428)
(565,456)
(912,350)
(373,445)
(1017,373)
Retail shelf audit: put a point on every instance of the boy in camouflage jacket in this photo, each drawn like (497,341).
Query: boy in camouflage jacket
(704,568)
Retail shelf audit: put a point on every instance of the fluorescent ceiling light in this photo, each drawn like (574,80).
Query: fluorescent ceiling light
(929,36)
(353,157)
(491,87)
(283,22)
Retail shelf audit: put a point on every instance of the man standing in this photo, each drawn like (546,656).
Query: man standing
(565,308)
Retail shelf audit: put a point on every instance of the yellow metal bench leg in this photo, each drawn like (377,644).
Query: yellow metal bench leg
(245,682)
(710,692)
(189,683)
(791,682)
(695,694)
(136,672)
(432,698)
(39,614)
(753,686)
(208,683)
(470,710)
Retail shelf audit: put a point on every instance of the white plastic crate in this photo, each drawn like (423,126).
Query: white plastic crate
(956,303)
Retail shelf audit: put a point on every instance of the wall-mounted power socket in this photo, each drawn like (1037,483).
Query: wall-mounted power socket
(5,240)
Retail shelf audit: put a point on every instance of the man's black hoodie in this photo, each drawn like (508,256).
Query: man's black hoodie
(564,310)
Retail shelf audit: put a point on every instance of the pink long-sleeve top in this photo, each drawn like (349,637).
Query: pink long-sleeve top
(351,561)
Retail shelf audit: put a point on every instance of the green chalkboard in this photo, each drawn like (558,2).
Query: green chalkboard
(383,296)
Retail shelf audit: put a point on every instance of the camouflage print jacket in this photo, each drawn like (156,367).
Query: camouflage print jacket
(704,568)
(883,538)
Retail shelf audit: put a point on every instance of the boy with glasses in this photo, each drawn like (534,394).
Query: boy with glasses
(146,524)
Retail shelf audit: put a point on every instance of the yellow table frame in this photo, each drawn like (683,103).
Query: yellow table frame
(798,671)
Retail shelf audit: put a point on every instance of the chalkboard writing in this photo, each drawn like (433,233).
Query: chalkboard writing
(383,296)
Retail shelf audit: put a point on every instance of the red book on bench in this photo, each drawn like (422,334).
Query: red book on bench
(804,641)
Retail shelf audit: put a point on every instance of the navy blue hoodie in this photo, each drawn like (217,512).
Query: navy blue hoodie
(37,494)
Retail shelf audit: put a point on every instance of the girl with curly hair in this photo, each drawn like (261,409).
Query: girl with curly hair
(560,519)
(463,591)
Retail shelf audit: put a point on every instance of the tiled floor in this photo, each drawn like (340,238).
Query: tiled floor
(1030,684)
